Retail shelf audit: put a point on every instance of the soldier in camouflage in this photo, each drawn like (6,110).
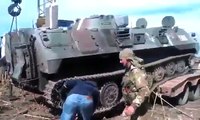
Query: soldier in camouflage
(134,84)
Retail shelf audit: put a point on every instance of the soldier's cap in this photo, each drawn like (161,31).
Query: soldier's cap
(126,53)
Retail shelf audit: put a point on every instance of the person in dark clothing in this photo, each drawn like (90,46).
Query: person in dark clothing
(82,99)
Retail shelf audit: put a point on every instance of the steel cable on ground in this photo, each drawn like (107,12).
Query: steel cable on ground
(184,113)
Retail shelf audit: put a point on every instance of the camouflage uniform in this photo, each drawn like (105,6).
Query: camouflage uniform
(134,84)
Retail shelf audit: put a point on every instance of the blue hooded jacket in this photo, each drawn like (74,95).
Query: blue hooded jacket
(81,87)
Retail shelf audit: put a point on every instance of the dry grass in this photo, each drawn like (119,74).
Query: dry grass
(4,83)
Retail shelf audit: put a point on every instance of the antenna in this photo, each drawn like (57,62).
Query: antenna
(33,24)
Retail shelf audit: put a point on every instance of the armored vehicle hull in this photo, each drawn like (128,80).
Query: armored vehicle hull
(44,58)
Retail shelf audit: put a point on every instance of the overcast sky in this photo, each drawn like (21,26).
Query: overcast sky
(185,12)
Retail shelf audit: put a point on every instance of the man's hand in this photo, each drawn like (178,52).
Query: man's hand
(129,110)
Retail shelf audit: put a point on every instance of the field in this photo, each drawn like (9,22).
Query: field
(24,105)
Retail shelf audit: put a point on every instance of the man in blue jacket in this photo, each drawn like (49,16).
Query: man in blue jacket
(82,99)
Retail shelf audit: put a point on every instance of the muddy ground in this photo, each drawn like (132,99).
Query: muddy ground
(24,105)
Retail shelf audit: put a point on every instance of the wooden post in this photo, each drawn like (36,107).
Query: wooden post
(10,88)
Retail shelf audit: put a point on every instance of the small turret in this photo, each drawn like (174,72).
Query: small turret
(97,22)
(168,22)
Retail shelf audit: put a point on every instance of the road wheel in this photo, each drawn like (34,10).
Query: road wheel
(194,92)
(180,66)
(109,94)
(170,68)
(183,97)
(159,74)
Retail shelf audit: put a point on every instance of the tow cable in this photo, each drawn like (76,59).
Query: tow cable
(163,100)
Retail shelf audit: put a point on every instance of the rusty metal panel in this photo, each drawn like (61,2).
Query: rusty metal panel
(176,85)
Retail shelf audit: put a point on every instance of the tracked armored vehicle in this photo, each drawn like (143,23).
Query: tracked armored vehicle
(43,58)
(168,49)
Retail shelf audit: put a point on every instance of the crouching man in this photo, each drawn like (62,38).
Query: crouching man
(82,99)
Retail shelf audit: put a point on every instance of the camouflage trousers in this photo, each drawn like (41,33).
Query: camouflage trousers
(140,113)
